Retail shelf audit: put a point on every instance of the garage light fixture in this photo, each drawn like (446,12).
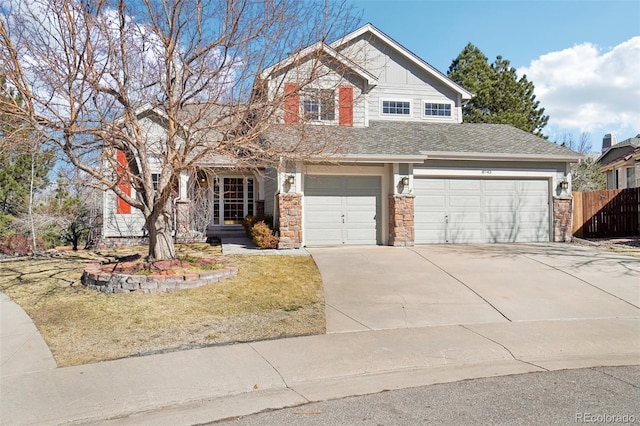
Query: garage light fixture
(405,181)
(564,185)
(291,179)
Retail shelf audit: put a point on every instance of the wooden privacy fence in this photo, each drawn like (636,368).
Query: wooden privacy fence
(608,213)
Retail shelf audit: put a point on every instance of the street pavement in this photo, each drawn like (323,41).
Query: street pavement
(501,310)
(601,395)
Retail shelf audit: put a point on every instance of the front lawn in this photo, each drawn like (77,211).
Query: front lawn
(272,296)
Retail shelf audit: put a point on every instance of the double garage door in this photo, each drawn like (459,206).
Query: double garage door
(481,210)
(342,210)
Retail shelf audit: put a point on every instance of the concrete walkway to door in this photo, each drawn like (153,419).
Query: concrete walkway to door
(374,288)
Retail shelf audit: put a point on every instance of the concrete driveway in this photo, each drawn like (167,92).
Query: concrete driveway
(373,288)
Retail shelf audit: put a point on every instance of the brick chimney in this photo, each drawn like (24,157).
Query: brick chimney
(608,141)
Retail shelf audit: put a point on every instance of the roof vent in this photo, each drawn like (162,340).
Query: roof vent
(608,141)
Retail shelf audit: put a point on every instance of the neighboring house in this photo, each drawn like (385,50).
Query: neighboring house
(620,162)
(383,157)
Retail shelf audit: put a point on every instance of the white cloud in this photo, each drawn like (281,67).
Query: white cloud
(586,88)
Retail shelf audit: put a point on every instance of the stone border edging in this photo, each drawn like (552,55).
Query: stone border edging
(97,279)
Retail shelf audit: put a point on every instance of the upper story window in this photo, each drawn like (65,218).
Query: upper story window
(396,108)
(631,177)
(319,104)
(432,109)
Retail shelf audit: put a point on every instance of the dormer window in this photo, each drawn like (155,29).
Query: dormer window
(319,104)
(432,109)
(396,107)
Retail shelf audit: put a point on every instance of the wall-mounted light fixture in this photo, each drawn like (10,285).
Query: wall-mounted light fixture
(405,181)
(291,179)
(563,185)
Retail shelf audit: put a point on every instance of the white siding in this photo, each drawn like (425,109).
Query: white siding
(399,78)
(120,225)
(270,190)
(131,225)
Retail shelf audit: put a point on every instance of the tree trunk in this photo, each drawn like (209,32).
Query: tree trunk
(32,177)
(161,246)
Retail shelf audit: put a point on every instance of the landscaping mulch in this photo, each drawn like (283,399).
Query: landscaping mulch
(624,245)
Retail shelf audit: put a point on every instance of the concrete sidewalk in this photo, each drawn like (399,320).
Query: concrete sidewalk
(203,385)
(243,245)
(22,348)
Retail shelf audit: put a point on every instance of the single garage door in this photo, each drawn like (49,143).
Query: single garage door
(481,210)
(342,210)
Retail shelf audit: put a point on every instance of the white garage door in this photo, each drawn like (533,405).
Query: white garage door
(481,210)
(341,210)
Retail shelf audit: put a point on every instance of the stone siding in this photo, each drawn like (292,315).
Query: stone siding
(290,221)
(562,219)
(401,226)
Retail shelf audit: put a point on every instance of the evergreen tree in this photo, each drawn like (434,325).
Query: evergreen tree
(15,179)
(471,70)
(500,97)
(17,156)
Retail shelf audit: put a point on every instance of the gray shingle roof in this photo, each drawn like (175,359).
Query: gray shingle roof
(388,138)
(619,151)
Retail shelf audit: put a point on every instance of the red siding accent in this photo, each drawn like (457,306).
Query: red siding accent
(292,103)
(122,207)
(345,103)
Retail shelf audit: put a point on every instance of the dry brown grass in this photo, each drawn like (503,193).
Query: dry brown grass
(272,296)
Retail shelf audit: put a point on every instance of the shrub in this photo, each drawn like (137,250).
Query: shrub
(18,245)
(250,221)
(263,236)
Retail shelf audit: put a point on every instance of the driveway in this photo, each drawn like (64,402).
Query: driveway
(373,288)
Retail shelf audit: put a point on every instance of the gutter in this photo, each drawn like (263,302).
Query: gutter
(367,158)
(445,155)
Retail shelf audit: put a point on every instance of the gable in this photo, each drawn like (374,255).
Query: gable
(372,49)
(392,67)
(387,83)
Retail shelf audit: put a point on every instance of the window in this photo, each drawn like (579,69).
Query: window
(437,110)
(320,104)
(631,177)
(396,107)
(155,177)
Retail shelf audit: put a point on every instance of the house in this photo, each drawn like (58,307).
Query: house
(379,154)
(620,162)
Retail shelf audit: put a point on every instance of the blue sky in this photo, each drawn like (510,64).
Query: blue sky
(582,56)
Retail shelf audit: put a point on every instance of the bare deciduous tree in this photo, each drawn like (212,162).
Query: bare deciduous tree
(84,68)
(586,174)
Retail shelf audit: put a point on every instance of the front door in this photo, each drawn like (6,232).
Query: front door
(232,200)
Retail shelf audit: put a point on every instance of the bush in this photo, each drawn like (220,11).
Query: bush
(18,245)
(250,221)
(263,236)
